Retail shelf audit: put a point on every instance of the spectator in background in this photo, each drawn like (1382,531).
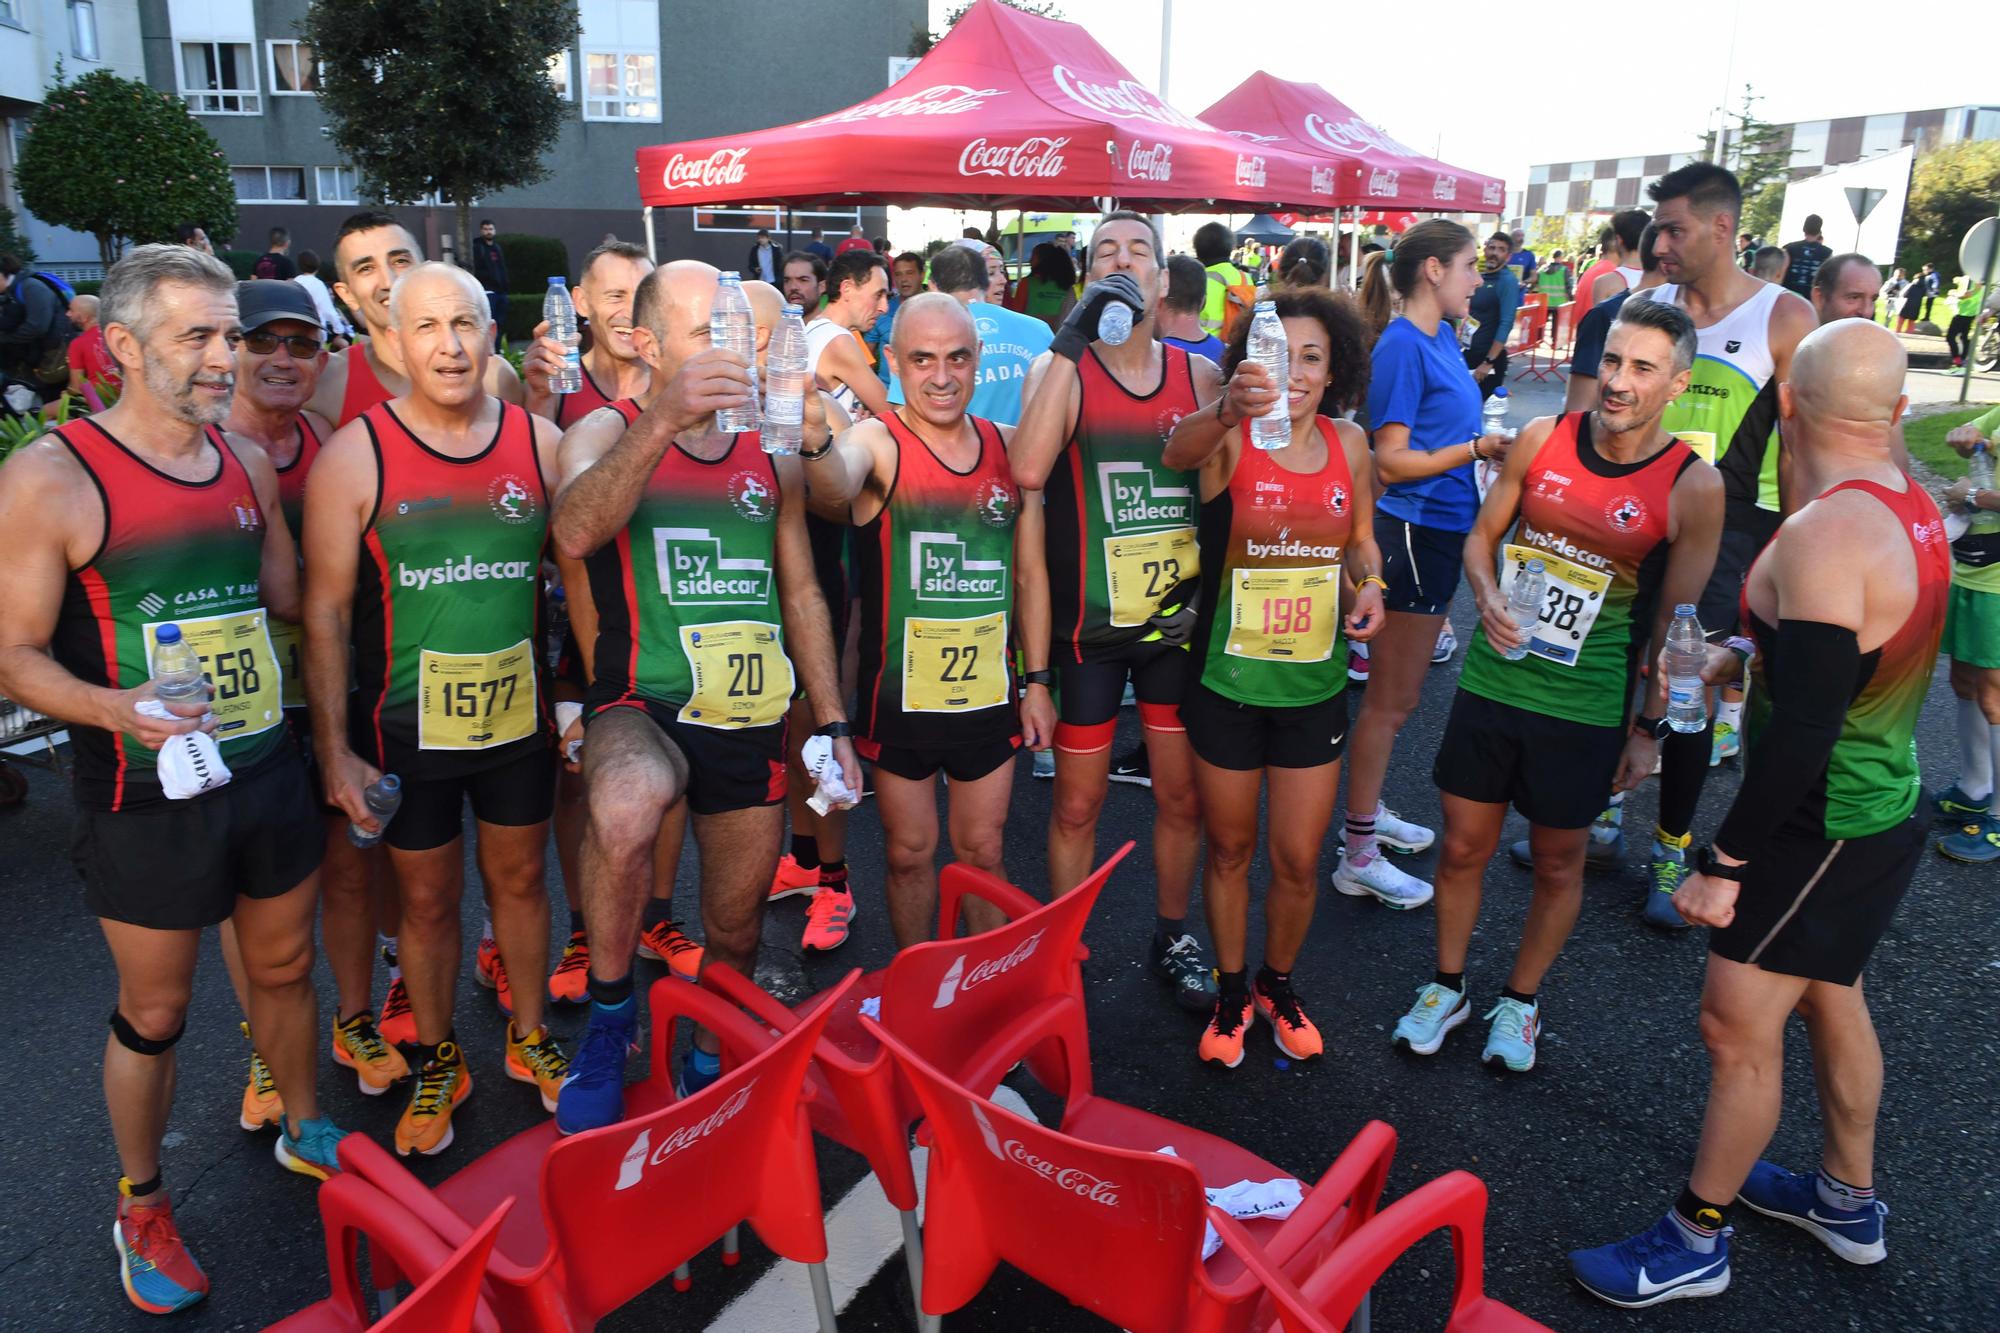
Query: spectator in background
(92,369)
(1626,228)
(1493,307)
(906,279)
(854,240)
(805,281)
(1932,282)
(1522,260)
(881,244)
(972,234)
(1304,263)
(1969,296)
(1179,320)
(1606,261)
(489,265)
(1009,341)
(818,247)
(339,333)
(1211,247)
(191,235)
(1805,258)
(1773,264)
(1746,250)
(1553,282)
(1593,330)
(996,270)
(766,261)
(1049,290)
(1892,292)
(276,262)
(33,323)
(1913,302)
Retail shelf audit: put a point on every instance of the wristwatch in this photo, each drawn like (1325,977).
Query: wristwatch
(1705,863)
(1654,728)
(835,729)
(1045,678)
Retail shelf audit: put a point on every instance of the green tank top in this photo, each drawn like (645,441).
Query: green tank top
(1729,414)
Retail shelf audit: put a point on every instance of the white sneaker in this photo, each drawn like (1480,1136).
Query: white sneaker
(1399,834)
(1437,1011)
(1447,644)
(1380,879)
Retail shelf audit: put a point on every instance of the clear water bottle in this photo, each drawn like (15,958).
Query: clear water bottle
(561,316)
(383,797)
(1979,469)
(1524,603)
(178,679)
(1268,348)
(787,378)
(1687,653)
(1493,415)
(1114,325)
(732,326)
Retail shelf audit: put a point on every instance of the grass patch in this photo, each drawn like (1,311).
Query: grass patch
(1925,438)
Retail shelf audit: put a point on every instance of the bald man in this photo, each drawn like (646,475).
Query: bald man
(695,544)
(425,522)
(1846,607)
(943,534)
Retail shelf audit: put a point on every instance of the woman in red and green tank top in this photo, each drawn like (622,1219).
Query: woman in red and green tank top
(1284,536)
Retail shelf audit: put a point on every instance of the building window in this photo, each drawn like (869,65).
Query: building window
(219,78)
(83,29)
(771,218)
(294,72)
(559,76)
(338,185)
(269,185)
(10,12)
(621,85)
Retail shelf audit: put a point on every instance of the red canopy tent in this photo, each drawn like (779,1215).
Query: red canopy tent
(1008,111)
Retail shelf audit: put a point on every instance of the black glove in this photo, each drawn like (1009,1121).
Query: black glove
(1174,621)
(1080,329)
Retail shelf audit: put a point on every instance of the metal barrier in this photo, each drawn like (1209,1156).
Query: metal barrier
(20,725)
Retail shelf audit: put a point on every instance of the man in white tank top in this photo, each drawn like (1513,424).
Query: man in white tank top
(857,290)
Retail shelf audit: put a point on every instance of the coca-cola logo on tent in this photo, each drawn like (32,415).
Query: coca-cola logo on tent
(941,99)
(1322,181)
(724,166)
(1382,182)
(1445,187)
(1490,193)
(1039,157)
(1124,100)
(1352,135)
(1150,164)
(1250,172)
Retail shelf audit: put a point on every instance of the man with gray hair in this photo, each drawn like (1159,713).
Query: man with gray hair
(141,520)
(424,531)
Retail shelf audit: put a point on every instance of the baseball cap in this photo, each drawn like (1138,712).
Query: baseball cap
(262,301)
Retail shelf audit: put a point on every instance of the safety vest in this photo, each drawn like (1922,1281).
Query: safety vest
(1226,285)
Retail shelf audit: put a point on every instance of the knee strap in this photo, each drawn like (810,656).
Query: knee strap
(128,1036)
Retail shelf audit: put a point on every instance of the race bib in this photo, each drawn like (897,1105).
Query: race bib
(1283,615)
(1140,570)
(475,701)
(1570,602)
(1701,441)
(288,642)
(236,656)
(741,675)
(955,666)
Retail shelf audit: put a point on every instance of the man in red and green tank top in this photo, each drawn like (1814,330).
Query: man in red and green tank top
(1624,520)
(944,541)
(141,517)
(1845,609)
(706,601)
(612,368)
(425,528)
(1121,564)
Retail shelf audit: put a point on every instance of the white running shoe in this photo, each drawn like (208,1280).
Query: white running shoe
(1380,879)
(1399,834)
(1437,1011)
(1447,644)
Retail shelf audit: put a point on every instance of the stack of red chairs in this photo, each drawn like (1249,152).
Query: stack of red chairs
(447,1301)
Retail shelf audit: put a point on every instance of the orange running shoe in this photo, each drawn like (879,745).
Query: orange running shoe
(570,982)
(665,943)
(262,1106)
(1222,1039)
(399,1024)
(1290,1028)
(492,974)
(441,1085)
(535,1058)
(160,1275)
(358,1044)
(792,879)
(827,918)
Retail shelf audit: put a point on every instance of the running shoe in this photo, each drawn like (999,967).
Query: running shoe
(1044,764)
(1597,855)
(262,1106)
(593,1093)
(1399,834)
(1726,745)
(1952,806)
(492,974)
(791,879)
(537,1059)
(1179,963)
(1357,663)
(699,1068)
(1222,1039)
(665,943)
(1655,1265)
(1668,872)
(399,1023)
(1511,1039)
(1290,1028)
(1447,644)
(1379,879)
(358,1044)
(441,1085)
(310,1152)
(570,982)
(160,1275)
(1977,843)
(1437,1011)
(1133,768)
(827,918)
(1855,1234)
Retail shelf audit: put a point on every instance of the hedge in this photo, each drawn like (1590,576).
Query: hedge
(243,263)
(532,261)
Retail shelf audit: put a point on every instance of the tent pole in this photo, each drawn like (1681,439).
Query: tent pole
(652,250)
(1354,246)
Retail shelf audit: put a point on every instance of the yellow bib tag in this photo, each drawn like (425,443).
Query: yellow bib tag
(475,701)
(1283,615)
(1140,570)
(955,666)
(288,642)
(236,655)
(741,675)
(1701,441)
(1571,601)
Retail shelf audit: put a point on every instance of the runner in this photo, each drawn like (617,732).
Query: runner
(1845,609)
(1267,697)
(661,721)
(1594,326)
(425,525)
(143,511)
(1972,641)
(805,282)
(940,523)
(612,369)
(1120,528)
(1846,287)
(1625,519)
(1626,228)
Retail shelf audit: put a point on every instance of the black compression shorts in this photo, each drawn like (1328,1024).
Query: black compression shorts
(515,794)
(1246,737)
(728,769)
(1556,772)
(1089,692)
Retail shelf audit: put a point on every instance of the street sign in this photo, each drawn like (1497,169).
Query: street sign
(1862,200)
(1975,252)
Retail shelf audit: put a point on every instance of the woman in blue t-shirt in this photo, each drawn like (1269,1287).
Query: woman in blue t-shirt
(1423,409)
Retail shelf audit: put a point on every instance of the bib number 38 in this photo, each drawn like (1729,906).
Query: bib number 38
(1570,603)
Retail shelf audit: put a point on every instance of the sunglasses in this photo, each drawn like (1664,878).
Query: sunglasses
(298,344)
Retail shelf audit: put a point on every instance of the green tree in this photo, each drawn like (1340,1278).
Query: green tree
(922,39)
(12,241)
(124,162)
(1760,155)
(1950,189)
(451,96)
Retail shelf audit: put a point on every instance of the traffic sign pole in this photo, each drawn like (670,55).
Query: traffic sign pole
(1992,246)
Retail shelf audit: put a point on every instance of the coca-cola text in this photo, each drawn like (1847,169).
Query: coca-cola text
(1037,158)
(724,166)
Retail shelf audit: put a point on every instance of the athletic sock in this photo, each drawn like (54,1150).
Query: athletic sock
(1700,1222)
(706,1063)
(1729,712)
(1837,1193)
(1233,983)
(1167,929)
(1360,843)
(1975,752)
(1451,981)
(1509,993)
(805,851)
(1993,748)
(833,875)
(576,921)
(659,911)
(611,994)
(1272,982)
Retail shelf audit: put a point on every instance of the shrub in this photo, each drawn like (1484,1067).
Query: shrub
(532,261)
(243,263)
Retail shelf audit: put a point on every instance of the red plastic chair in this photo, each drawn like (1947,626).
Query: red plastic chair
(622,1207)
(445,1301)
(1106,1219)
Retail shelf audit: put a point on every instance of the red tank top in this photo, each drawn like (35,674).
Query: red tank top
(364,390)
(574,407)
(292,477)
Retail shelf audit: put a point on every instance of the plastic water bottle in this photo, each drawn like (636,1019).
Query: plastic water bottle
(731,325)
(1493,415)
(561,315)
(1979,468)
(383,797)
(1687,698)
(1268,348)
(178,679)
(1114,325)
(1524,603)
(786,380)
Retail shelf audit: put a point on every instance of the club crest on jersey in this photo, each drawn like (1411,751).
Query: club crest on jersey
(751,496)
(249,517)
(1134,500)
(940,571)
(1336,500)
(996,506)
(1626,513)
(510,499)
(1167,421)
(694,572)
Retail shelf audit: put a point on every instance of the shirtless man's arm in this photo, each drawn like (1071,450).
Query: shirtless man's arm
(1051,400)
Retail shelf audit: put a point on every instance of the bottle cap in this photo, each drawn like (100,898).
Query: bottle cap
(791,309)
(558,282)
(1500,392)
(167,634)
(390,782)
(1684,609)
(1536,567)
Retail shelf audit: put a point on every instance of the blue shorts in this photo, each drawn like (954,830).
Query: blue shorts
(1420,564)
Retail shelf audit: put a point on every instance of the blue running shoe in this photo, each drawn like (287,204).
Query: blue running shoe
(699,1068)
(1953,807)
(1793,1196)
(1978,843)
(310,1152)
(1655,1265)
(160,1275)
(593,1095)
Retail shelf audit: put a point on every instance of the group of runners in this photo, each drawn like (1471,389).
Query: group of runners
(365,550)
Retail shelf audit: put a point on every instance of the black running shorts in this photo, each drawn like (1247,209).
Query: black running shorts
(964,763)
(1556,772)
(728,770)
(515,794)
(1088,692)
(1420,564)
(1247,737)
(1722,600)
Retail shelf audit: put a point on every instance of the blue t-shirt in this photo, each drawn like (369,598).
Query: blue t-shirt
(1009,342)
(1422,383)
(1210,347)
(877,336)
